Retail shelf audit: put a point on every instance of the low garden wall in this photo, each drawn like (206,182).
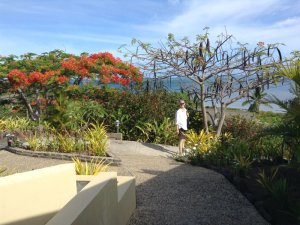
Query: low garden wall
(111,159)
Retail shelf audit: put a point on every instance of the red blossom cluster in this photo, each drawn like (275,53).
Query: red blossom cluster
(19,79)
(110,69)
(36,77)
(106,58)
(79,65)
(62,79)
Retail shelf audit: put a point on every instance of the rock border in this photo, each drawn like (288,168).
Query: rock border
(111,159)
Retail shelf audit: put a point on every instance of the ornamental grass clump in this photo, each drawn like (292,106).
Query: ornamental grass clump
(34,142)
(242,165)
(14,124)
(66,143)
(276,186)
(96,139)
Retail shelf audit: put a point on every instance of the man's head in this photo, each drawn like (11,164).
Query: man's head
(181,103)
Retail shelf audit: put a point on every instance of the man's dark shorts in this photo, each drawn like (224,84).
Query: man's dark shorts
(182,133)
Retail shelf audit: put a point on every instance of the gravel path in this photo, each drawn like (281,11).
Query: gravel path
(168,192)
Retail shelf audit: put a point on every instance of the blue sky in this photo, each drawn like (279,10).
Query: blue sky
(77,26)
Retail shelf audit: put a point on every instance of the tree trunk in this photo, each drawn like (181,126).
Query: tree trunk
(27,105)
(203,107)
(214,119)
(221,120)
(38,104)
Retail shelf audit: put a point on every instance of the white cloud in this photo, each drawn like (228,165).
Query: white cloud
(288,22)
(248,20)
(208,13)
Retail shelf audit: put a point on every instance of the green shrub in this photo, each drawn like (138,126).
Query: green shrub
(160,133)
(65,114)
(195,120)
(269,147)
(93,112)
(69,114)
(269,118)
(241,127)
(12,110)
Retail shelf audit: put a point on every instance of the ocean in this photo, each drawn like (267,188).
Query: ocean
(281,91)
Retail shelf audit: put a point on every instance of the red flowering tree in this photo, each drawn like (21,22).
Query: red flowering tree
(102,66)
(33,86)
(37,79)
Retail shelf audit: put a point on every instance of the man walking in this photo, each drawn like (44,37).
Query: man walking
(181,125)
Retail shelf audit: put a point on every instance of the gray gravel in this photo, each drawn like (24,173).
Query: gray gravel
(168,192)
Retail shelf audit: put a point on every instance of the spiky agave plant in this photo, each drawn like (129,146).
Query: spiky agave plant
(97,139)
(92,168)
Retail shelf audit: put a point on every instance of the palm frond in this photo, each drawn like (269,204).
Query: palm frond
(272,99)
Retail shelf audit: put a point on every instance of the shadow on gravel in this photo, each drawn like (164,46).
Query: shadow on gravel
(188,195)
(158,147)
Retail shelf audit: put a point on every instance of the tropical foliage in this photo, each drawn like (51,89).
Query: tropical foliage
(289,129)
(162,133)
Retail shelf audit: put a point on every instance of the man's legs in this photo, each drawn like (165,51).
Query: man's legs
(181,143)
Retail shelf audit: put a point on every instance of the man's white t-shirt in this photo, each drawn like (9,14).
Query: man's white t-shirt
(181,118)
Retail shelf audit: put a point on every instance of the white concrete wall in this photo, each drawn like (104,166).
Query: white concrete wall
(96,203)
(49,196)
(126,198)
(34,197)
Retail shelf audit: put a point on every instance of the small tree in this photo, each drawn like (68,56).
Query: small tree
(223,73)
